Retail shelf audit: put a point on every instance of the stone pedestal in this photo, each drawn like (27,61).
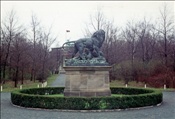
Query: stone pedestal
(61,70)
(87,81)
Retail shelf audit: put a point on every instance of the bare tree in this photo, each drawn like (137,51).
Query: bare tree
(25,61)
(56,59)
(172,50)
(143,37)
(46,40)
(130,34)
(9,28)
(111,43)
(147,39)
(22,54)
(112,33)
(96,22)
(35,36)
(172,56)
(18,49)
(1,54)
(166,27)
(153,37)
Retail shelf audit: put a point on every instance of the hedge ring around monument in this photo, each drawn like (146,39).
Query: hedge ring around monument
(53,98)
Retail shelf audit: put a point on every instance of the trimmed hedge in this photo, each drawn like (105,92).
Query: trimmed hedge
(43,98)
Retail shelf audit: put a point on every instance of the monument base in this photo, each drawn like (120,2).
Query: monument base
(61,70)
(87,81)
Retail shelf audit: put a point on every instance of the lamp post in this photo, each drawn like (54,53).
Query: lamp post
(67,31)
(67,40)
(64,54)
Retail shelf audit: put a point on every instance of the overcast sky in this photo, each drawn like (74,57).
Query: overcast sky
(72,15)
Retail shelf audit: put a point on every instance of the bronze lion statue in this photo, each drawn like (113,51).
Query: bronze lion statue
(89,48)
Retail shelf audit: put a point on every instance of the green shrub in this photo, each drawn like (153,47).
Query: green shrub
(130,91)
(43,91)
(43,98)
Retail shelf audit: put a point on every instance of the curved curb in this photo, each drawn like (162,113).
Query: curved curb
(86,111)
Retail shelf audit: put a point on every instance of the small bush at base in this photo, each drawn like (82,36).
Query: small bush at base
(43,98)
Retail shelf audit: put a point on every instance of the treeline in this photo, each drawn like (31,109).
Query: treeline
(141,50)
(144,53)
(25,52)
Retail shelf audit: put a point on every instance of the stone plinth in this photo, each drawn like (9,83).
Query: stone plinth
(88,81)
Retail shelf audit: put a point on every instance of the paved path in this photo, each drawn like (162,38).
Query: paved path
(165,111)
(60,81)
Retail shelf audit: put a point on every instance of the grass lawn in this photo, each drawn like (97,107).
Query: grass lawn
(61,95)
(121,83)
(9,86)
(51,79)
(56,95)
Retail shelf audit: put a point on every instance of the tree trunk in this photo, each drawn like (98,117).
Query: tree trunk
(132,64)
(10,71)
(17,71)
(3,72)
(16,76)
(43,70)
(31,76)
(165,55)
(34,76)
(0,73)
(0,64)
(174,62)
(174,82)
(22,76)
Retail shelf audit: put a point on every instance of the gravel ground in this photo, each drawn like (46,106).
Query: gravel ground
(165,111)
